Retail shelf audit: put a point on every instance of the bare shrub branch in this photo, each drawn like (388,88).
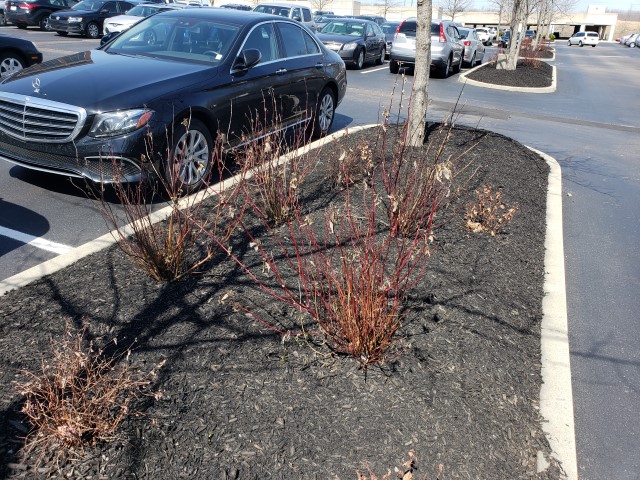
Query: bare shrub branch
(174,247)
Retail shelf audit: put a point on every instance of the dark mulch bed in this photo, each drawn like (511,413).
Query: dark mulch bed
(240,401)
(528,73)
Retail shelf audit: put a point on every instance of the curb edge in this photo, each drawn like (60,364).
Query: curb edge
(556,397)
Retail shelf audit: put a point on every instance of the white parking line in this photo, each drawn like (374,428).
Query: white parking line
(35,241)
(375,69)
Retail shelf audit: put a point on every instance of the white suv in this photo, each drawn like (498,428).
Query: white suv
(584,38)
(289,10)
(484,35)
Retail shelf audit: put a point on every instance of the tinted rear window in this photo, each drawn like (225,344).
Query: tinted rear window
(408,27)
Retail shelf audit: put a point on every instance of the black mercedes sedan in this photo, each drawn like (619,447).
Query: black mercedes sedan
(356,41)
(161,93)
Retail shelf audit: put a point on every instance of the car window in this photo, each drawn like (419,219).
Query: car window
(263,38)
(306,15)
(90,5)
(408,27)
(111,7)
(389,27)
(296,41)
(376,29)
(370,32)
(181,39)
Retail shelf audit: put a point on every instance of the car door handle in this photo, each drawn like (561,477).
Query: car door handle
(320,65)
(281,71)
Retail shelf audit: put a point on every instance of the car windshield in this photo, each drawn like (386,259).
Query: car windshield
(142,10)
(90,5)
(182,39)
(389,27)
(464,32)
(352,29)
(282,11)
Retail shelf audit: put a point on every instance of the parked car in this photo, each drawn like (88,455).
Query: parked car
(633,40)
(506,37)
(473,46)
(389,30)
(484,35)
(584,38)
(120,23)
(446,51)
(16,54)
(289,10)
(26,13)
(624,38)
(320,13)
(372,18)
(87,17)
(356,41)
(322,20)
(162,103)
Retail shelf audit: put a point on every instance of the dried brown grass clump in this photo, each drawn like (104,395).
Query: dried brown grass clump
(79,396)
(352,165)
(488,213)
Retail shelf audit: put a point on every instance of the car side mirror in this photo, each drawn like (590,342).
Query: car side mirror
(248,58)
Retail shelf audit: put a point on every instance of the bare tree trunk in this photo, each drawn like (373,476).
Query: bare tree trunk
(417,115)
(514,43)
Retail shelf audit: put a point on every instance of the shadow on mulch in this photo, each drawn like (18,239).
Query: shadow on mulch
(241,402)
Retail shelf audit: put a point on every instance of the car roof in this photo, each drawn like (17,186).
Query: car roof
(230,15)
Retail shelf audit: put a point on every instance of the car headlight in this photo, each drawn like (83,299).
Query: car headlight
(74,19)
(116,123)
(347,47)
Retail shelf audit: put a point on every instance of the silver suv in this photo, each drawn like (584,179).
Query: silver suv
(446,48)
(289,10)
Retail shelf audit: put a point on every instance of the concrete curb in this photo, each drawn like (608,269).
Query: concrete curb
(556,399)
(467,81)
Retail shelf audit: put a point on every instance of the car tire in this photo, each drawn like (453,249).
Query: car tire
(394,67)
(380,59)
(458,67)
(3,20)
(324,114)
(359,61)
(631,45)
(472,63)
(444,71)
(43,22)
(92,30)
(569,42)
(189,164)
(580,44)
(10,63)
(62,34)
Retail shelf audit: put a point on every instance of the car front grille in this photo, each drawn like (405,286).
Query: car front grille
(39,120)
